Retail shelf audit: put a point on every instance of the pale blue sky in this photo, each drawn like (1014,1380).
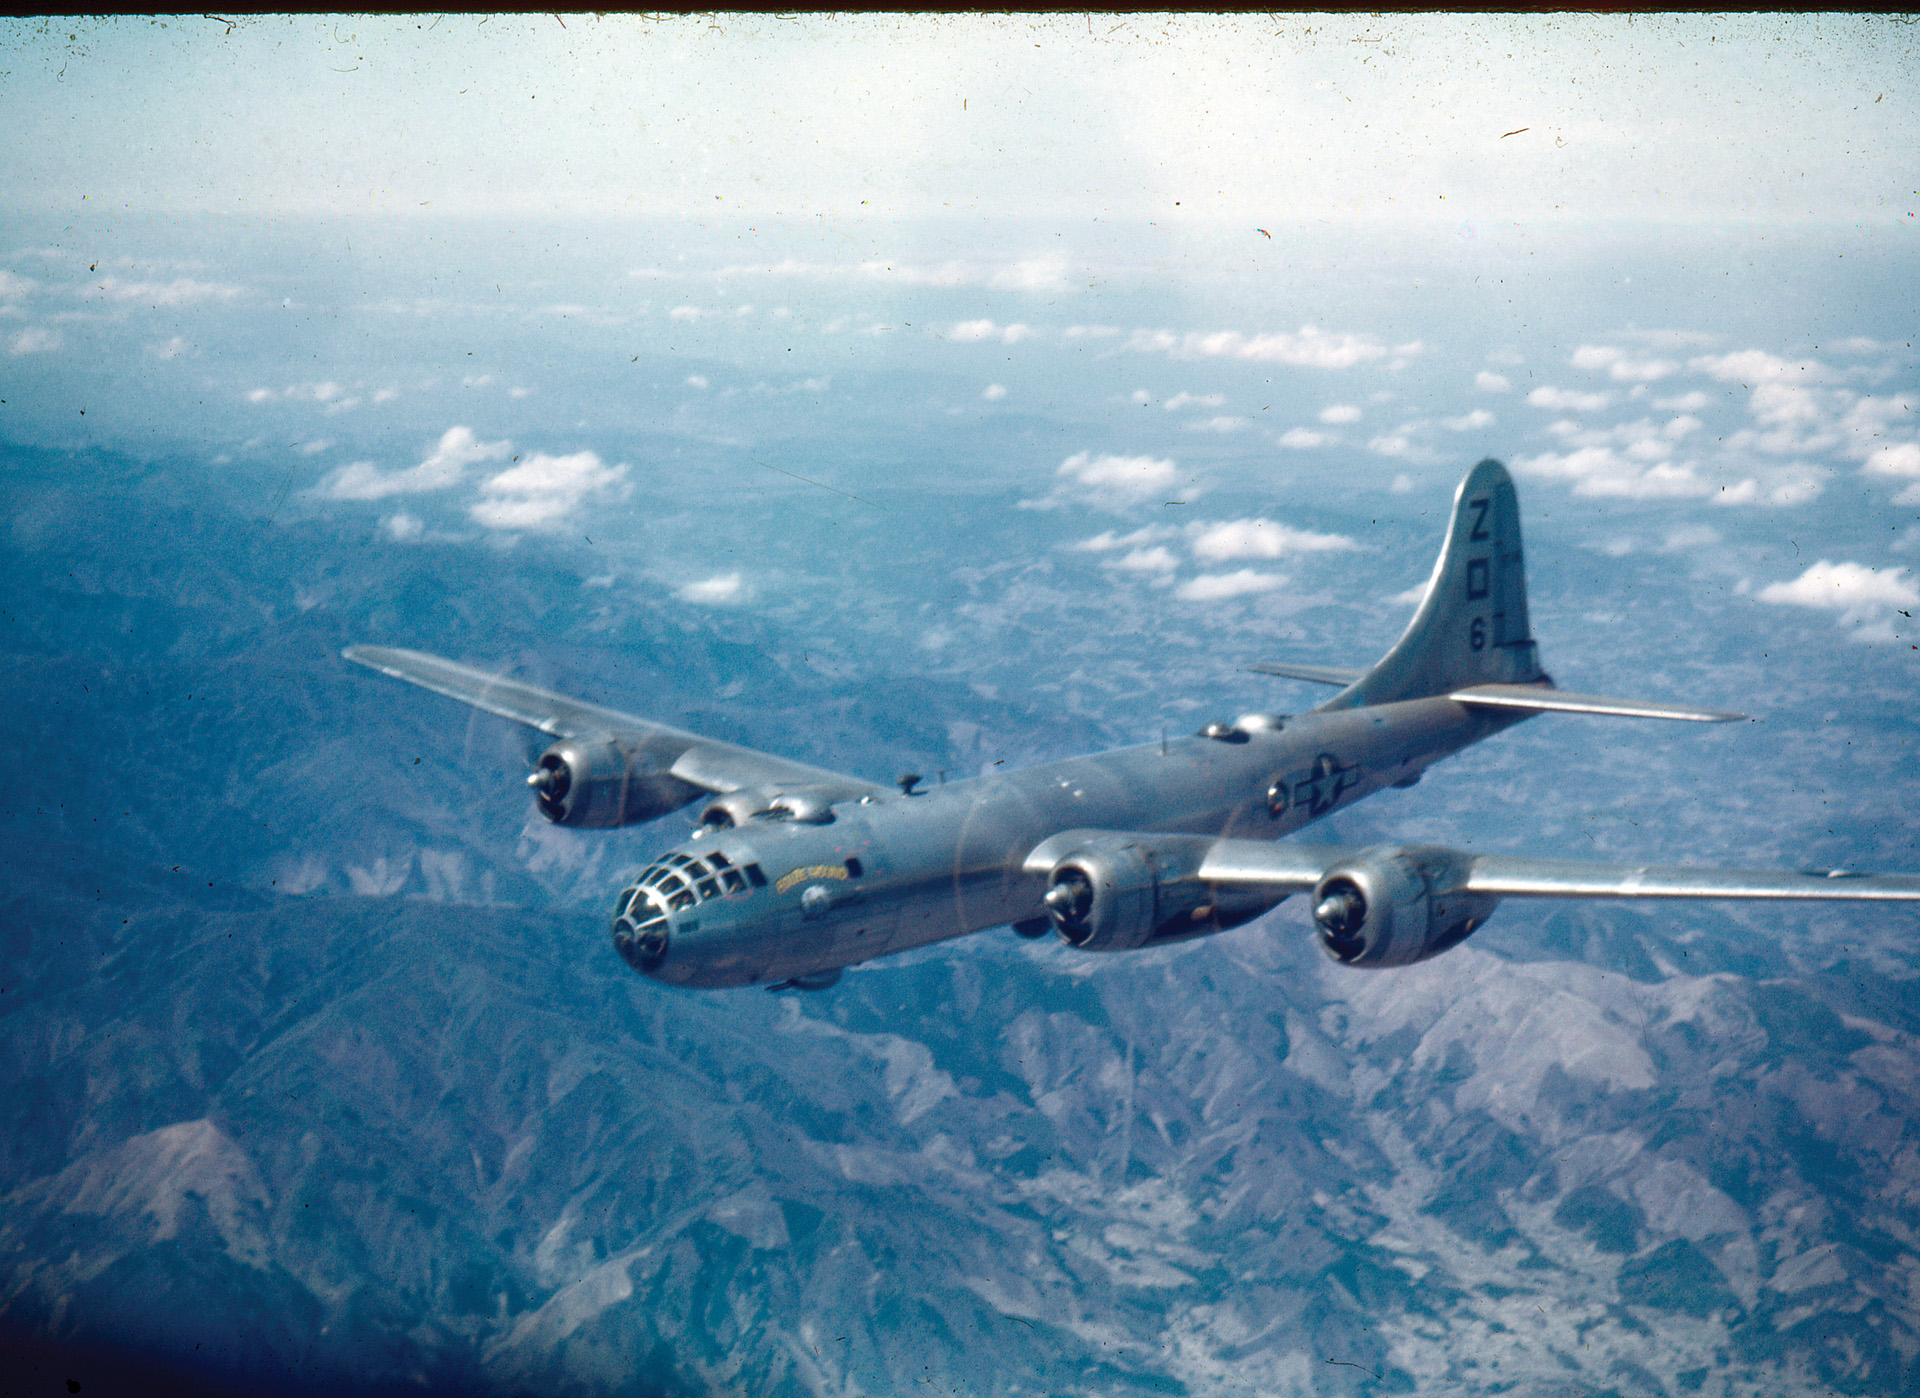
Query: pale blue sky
(1766,117)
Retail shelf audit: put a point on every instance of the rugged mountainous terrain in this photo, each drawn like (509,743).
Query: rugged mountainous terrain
(320,1073)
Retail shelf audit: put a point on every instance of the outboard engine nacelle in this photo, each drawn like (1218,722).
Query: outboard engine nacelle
(1397,904)
(597,782)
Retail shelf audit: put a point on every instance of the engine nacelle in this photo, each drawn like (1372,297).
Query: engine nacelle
(1397,904)
(596,782)
(1117,894)
(810,805)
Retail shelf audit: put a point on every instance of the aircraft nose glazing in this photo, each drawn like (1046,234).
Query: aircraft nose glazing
(640,932)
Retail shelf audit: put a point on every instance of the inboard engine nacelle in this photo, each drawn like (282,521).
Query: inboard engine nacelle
(601,783)
(1118,892)
(1397,904)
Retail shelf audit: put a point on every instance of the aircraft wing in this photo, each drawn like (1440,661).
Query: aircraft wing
(1537,699)
(702,762)
(1297,868)
(1313,674)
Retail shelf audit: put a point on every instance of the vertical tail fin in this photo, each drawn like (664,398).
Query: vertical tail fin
(1471,628)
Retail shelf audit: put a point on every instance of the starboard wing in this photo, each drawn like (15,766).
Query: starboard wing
(1290,868)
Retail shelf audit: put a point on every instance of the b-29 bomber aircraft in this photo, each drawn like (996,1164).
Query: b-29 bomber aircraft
(796,873)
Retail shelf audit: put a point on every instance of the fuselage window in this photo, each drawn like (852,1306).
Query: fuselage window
(755,877)
(853,868)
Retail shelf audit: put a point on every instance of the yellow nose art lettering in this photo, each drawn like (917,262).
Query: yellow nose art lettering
(810,871)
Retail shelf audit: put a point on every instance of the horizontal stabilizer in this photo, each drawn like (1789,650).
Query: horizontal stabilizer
(1316,674)
(1538,699)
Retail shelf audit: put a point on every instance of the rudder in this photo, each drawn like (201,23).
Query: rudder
(1471,628)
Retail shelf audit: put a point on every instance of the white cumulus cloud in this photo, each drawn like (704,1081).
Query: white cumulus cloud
(1183,399)
(968,332)
(35,339)
(1112,482)
(716,591)
(1107,540)
(1154,560)
(1488,382)
(1337,413)
(1686,403)
(1260,538)
(542,489)
(1618,365)
(1469,422)
(1301,438)
(1567,400)
(1895,459)
(1608,471)
(1858,592)
(444,465)
(1215,587)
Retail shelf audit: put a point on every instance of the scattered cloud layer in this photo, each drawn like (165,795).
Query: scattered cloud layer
(1021,274)
(1309,347)
(182,291)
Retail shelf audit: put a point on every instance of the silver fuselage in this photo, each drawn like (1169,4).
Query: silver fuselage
(900,871)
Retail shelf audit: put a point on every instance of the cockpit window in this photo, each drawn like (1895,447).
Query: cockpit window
(680,881)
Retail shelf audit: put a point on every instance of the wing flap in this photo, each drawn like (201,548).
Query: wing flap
(1538,699)
(702,762)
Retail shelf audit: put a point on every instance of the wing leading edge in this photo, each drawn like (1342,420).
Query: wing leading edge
(703,762)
